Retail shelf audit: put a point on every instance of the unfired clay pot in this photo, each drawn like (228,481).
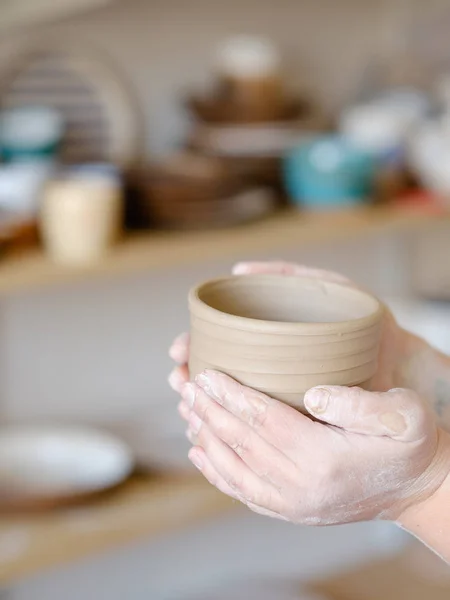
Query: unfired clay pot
(283,335)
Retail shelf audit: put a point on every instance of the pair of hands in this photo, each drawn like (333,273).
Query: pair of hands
(369,455)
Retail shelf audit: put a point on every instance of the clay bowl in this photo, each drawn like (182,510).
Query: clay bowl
(243,206)
(283,335)
(188,177)
(189,191)
(218,110)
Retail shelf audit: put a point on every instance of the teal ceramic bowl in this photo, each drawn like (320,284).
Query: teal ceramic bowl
(328,172)
(30,133)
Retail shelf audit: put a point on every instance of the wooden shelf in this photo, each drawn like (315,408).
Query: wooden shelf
(142,508)
(160,250)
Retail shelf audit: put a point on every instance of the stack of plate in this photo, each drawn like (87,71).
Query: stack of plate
(193,192)
(221,111)
(251,144)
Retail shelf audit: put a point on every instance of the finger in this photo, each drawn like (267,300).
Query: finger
(183,410)
(262,458)
(398,414)
(240,478)
(178,378)
(199,459)
(277,423)
(179,350)
(265,512)
(286,268)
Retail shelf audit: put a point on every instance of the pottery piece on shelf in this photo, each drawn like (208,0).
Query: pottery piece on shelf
(254,151)
(248,204)
(283,335)
(184,212)
(193,192)
(219,111)
(81,215)
(254,140)
(30,133)
(248,71)
(429,157)
(329,172)
(245,57)
(17,231)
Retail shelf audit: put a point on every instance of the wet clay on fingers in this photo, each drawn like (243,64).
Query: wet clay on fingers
(283,334)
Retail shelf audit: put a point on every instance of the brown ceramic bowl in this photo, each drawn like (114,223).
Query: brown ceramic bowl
(244,206)
(283,335)
(218,110)
(190,192)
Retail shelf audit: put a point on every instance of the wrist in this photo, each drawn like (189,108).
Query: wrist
(431,499)
(415,358)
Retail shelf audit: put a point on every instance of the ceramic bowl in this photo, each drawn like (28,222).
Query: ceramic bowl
(30,133)
(220,110)
(49,466)
(283,335)
(429,156)
(329,172)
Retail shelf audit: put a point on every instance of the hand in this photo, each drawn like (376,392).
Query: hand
(393,347)
(373,455)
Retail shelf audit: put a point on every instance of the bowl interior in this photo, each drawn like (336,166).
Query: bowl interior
(285,299)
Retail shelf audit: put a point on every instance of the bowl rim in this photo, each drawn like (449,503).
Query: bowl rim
(199,309)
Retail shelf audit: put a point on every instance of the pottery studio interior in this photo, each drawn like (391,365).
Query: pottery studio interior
(224,299)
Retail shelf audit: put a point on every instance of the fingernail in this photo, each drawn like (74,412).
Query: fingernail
(188,394)
(178,347)
(317,400)
(194,423)
(175,380)
(196,460)
(240,269)
(173,351)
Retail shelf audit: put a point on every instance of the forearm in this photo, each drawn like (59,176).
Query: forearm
(427,372)
(429,521)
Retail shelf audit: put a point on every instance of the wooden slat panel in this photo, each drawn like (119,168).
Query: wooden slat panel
(50,79)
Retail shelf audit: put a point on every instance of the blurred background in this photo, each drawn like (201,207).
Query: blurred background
(146,145)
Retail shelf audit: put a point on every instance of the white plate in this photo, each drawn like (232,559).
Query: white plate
(40,463)
(270,140)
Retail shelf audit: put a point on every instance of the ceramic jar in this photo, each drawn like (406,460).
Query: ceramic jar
(249,71)
(283,335)
(81,217)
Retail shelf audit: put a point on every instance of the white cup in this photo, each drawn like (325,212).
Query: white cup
(81,217)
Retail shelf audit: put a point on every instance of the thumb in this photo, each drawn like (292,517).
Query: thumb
(399,414)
